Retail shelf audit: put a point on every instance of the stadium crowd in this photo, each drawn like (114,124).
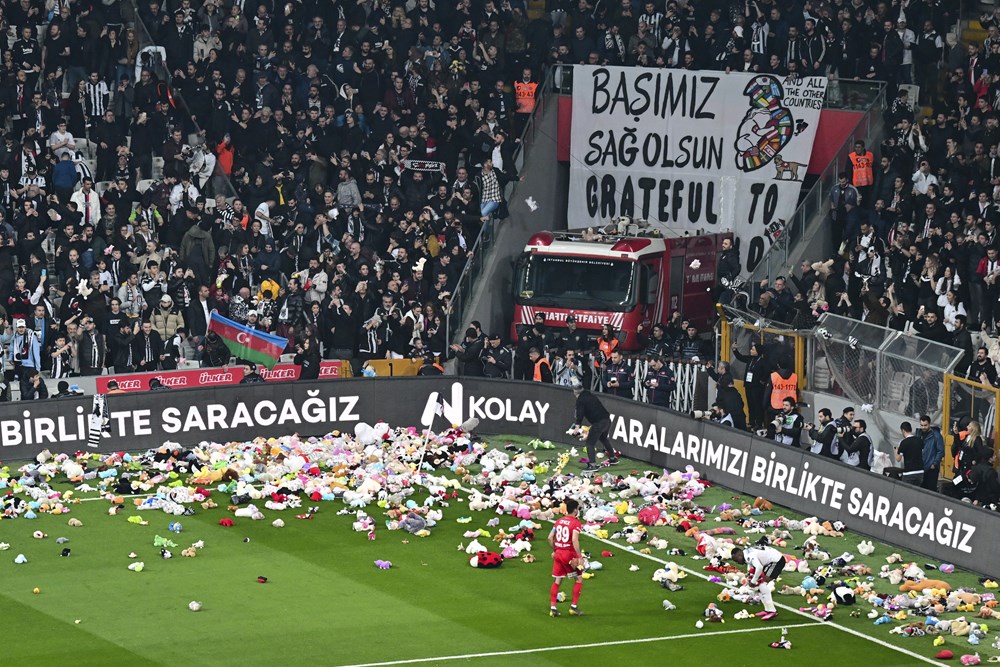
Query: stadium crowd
(368,145)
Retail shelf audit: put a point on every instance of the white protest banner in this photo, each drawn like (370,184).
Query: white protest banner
(694,151)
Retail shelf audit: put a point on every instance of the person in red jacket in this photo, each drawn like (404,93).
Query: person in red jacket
(567,559)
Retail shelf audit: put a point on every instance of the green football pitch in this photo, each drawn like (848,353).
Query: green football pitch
(325,603)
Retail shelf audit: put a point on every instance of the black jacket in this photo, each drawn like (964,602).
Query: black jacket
(309,361)
(728,266)
(824,438)
(589,407)
(469,358)
(502,356)
(730,400)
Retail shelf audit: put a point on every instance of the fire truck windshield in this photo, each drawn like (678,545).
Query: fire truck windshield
(592,283)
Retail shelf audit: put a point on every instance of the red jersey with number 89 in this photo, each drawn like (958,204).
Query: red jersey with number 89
(563,532)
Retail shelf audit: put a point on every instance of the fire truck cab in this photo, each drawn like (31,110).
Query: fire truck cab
(623,278)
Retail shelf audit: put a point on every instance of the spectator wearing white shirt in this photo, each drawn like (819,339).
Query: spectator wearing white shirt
(909,39)
(87,202)
(952,309)
(263,214)
(183,190)
(62,141)
(923,178)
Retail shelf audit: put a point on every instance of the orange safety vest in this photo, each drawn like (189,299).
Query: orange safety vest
(782,389)
(538,368)
(607,347)
(862,169)
(524,96)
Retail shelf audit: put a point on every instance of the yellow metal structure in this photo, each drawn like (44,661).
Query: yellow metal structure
(983,401)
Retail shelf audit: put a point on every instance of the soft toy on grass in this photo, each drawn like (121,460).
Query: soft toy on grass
(486,560)
(762,504)
(923,584)
(960,627)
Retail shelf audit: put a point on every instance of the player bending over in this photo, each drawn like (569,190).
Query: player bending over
(567,559)
(764,564)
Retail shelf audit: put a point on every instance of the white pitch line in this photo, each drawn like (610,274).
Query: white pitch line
(794,610)
(570,647)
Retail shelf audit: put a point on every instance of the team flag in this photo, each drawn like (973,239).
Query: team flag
(246,343)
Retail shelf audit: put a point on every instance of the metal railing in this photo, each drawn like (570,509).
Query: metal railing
(465,289)
(690,378)
(739,329)
(894,373)
(813,208)
(690,390)
(975,401)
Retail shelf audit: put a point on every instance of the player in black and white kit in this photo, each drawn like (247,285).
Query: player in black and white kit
(764,564)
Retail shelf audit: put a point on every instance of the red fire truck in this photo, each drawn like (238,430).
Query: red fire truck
(625,278)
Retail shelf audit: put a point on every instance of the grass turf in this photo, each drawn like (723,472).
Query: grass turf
(327,604)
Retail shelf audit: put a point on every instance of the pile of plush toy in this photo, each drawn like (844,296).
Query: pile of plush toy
(623,507)
(374,465)
(402,479)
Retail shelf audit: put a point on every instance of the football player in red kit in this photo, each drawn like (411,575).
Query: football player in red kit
(567,559)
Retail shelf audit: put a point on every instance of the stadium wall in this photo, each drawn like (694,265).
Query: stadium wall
(869,504)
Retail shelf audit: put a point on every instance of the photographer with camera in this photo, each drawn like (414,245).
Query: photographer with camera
(825,438)
(783,384)
(788,424)
(860,453)
(732,402)
(717,413)
(845,431)
(25,355)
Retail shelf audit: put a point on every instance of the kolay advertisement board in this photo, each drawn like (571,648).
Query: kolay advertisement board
(692,150)
(897,513)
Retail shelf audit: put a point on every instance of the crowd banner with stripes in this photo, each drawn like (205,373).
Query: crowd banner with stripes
(694,151)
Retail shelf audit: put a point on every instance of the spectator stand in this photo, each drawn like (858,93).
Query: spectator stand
(481,250)
(899,375)
(739,328)
(868,97)
(219,183)
(975,400)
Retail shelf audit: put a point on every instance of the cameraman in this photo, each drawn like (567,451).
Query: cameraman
(732,402)
(845,432)
(788,424)
(859,454)
(721,415)
(824,437)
